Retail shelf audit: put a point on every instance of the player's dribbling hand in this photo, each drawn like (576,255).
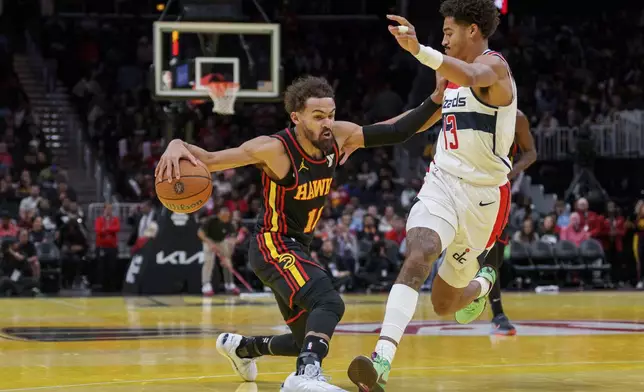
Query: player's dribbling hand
(406,36)
(168,166)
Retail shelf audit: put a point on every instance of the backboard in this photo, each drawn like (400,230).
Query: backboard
(189,55)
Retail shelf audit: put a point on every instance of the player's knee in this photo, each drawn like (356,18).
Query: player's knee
(335,305)
(331,302)
(442,306)
(423,244)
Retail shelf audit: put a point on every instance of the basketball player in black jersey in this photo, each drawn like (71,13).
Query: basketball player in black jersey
(523,142)
(297,167)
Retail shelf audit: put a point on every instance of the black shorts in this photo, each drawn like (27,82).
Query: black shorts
(285,265)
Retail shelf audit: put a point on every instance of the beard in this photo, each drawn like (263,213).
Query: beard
(322,144)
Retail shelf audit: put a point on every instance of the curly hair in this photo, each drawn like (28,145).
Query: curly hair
(482,13)
(304,88)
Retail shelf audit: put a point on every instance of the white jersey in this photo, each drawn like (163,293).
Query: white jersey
(476,137)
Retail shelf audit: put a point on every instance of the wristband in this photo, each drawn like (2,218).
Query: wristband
(430,57)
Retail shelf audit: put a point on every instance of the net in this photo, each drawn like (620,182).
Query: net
(223,95)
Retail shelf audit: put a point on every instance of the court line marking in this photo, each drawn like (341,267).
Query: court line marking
(153,380)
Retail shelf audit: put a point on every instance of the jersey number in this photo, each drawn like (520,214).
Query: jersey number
(449,126)
(314,216)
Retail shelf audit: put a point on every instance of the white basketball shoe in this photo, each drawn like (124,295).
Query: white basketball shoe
(245,368)
(311,380)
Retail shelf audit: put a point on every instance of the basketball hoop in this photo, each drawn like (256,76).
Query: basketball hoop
(223,95)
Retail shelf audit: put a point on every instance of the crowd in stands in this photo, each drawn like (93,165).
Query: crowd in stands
(582,78)
(38,211)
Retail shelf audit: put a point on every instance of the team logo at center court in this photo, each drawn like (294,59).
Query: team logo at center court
(524,328)
(286,260)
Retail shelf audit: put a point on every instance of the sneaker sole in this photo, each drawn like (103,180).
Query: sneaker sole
(362,373)
(225,354)
(506,332)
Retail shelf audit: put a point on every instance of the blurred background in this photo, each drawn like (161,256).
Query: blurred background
(82,128)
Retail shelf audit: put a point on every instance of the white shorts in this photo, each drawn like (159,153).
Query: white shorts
(468,218)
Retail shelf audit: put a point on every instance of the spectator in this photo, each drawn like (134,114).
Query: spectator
(37,234)
(369,230)
(29,205)
(613,230)
(563,216)
(527,235)
(398,232)
(549,230)
(575,232)
(140,220)
(218,236)
(28,250)
(589,219)
(107,227)
(346,245)
(6,161)
(328,258)
(7,227)
(386,221)
(73,245)
(150,232)
(17,274)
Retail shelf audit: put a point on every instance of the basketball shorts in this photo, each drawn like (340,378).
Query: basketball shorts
(468,218)
(285,265)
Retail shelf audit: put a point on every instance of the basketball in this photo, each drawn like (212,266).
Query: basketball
(187,194)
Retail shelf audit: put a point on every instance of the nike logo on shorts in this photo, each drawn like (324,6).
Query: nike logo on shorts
(485,204)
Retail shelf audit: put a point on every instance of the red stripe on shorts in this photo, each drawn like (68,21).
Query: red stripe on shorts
(501,216)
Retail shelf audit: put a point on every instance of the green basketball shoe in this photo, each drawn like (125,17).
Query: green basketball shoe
(369,374)
(472,311)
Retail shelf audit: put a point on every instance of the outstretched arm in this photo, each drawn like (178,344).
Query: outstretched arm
(483,72)
(255,151)
(525,141)
(399,129)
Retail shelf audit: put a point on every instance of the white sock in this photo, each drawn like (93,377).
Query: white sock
(401,306)
(486,285)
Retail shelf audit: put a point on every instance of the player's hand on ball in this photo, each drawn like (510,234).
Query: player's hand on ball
(405,34)
(168,166)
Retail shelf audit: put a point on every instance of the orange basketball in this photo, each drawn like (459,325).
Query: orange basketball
(189,193)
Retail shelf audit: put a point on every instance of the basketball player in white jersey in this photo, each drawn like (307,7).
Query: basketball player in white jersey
(464,203)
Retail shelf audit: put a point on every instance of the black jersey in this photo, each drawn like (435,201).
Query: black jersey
(293,206)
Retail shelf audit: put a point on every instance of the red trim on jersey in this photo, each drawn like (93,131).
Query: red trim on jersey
(501,216)
(301,150)
(267,208)
(290,155)
(453,85)
(294,318)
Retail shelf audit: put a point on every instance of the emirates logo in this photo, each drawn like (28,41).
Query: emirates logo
(179,187)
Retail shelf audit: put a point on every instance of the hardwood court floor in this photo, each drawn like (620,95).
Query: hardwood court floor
(566,342)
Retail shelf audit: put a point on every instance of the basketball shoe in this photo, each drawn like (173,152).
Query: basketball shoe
(472,311)
(309,379)
(207,290)
(227,344)
(502,326)
(369,374)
